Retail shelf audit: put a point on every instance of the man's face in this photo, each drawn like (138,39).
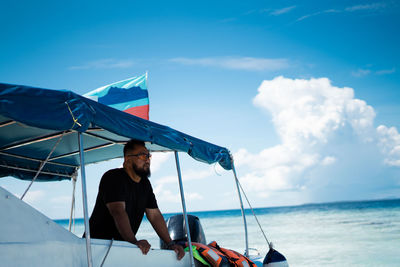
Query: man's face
(138,159)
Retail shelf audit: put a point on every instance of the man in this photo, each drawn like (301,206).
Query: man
(125,194)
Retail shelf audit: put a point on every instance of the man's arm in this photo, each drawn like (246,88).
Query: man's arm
(121,220)
(157,221)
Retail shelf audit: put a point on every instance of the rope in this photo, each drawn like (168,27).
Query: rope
(215,169)
(72,214)
(73,118)
(108,250)
(42,165)
(252,210)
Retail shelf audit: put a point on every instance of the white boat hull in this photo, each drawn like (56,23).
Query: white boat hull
(29,238)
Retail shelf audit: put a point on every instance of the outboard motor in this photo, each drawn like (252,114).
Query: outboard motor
(177,232)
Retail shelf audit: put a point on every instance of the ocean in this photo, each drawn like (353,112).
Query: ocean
(362,233)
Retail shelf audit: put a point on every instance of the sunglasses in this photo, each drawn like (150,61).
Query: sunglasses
(142,155)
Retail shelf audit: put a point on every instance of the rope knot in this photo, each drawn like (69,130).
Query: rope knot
(73,118)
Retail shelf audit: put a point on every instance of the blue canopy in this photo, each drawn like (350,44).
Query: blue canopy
(33,120)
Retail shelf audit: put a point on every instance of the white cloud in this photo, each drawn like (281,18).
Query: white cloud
(305,112)
(33,196)
(158,159)
(328,160)
(196,174)
(275,168)
(389,142)
(108,63)
(190,175)
(373,6)
(194,196)
(356,8)
(384,72)
(361,72)
(166,188)
(311,117)
(328,11)
(61,200)
(364,72)
(236,63)
(166,180)
(165,195)
(282,11)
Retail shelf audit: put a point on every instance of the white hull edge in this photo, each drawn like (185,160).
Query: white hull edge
(29,238)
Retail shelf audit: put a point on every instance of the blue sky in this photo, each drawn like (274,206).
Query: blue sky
(305,94)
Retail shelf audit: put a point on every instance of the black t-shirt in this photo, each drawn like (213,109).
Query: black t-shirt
(116,185)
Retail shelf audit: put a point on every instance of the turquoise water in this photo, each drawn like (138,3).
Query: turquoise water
(365,233)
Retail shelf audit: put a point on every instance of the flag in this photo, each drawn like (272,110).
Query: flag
(129,95)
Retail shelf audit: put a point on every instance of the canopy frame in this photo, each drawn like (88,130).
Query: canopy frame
(178,169)
(84,202)
(26,136)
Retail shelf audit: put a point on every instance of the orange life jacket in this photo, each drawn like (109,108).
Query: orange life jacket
(235,258)
(211,255)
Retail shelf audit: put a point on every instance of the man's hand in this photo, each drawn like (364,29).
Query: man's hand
(178,250)
(143,245)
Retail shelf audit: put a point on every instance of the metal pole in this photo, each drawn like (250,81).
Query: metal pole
(84,198)
(178,168)
(246,253)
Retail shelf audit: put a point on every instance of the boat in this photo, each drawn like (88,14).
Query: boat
(50,135)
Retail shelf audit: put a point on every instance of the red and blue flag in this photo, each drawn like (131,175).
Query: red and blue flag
(129,95)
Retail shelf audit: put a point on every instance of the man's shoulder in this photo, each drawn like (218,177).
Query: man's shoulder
(115,171)
(146,183)
(114,174)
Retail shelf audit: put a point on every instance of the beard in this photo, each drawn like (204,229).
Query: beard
(144,173)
